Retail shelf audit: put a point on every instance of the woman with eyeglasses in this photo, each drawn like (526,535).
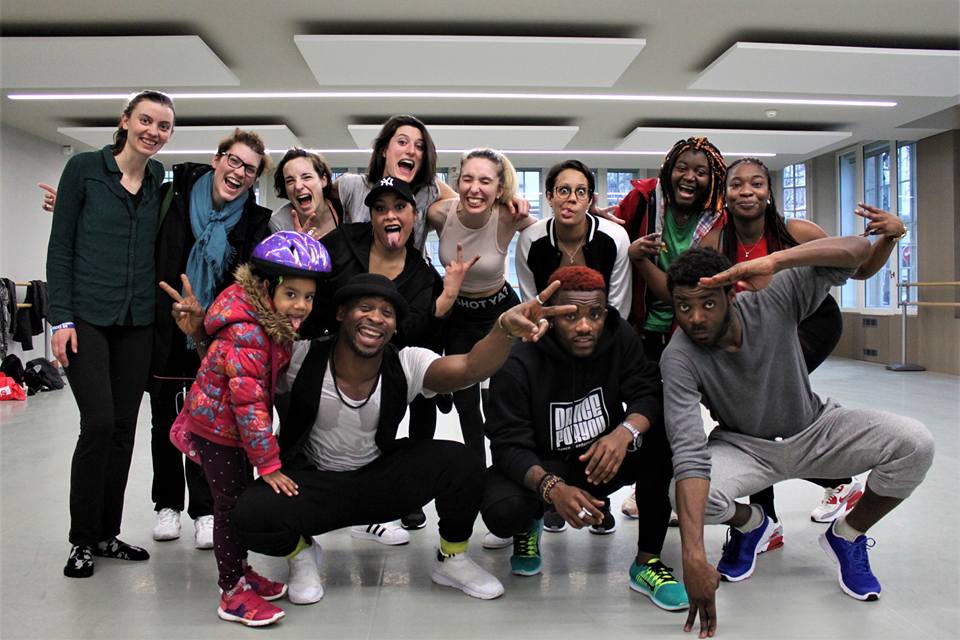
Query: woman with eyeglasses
(574,237)
(210,224)
(304,179)
(101,273)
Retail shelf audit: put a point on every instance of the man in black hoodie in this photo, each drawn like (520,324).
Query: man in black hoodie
(573,418)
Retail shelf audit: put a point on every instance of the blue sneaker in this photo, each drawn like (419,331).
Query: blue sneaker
(856,578)
(654,580)
(740,552)
(526,559)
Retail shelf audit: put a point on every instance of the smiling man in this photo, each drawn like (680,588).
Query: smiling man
(740,355)
(560,434)
(338,439)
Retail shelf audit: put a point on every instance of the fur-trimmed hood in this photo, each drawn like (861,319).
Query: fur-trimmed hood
(246,301)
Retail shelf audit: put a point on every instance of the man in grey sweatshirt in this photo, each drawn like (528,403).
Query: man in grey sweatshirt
(739,354)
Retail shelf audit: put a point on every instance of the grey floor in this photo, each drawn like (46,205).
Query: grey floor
(373,591)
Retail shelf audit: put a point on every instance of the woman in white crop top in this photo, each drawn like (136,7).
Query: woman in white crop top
(481,223)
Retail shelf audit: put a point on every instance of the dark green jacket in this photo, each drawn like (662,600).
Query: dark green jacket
(100,261)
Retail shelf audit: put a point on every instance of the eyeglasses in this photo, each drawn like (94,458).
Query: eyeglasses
(234,162)
(564,191)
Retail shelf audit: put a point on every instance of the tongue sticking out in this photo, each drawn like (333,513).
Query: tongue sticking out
(295,323)
(393,238)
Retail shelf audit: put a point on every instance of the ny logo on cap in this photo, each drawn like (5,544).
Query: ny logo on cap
(387,182)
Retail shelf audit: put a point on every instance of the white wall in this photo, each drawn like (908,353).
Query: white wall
(25,160)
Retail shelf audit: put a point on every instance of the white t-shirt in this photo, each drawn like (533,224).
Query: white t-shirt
(343,434)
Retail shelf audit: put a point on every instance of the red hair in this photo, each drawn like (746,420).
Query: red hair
(578,278)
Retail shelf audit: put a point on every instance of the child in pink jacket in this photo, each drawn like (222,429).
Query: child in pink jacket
(227,420)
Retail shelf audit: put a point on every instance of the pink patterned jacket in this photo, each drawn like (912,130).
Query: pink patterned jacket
(231,401)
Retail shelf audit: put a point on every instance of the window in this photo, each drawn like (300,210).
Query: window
(907,210)
(336,173)
(618,184)
(869,174)
(795,191)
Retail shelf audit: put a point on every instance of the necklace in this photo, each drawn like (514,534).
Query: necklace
(570,254)
(345,400)
(746,252)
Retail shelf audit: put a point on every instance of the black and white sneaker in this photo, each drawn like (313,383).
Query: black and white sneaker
(414,520)
(553,521)
(609,524)
(388,533)
(120,550)
(80,562)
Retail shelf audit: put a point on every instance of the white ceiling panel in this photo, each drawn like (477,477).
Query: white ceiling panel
(113,61)
(873,71)
(736,141)
(468,137)
(277,137)
(467,61)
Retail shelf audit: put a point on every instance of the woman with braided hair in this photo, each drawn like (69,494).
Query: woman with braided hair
(664,217)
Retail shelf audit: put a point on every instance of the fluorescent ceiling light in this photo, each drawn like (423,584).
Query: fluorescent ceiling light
(517,152)
(461,95)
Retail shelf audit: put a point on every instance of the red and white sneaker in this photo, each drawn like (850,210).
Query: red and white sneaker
(775,541)
(241,604)
(264,587)
(837,502)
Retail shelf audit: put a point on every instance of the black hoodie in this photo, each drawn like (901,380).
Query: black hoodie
(546,403)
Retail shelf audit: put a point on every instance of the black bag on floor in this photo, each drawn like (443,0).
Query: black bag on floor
(12,367)
(40,375)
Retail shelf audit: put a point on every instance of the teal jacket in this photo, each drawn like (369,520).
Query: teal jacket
(100,258)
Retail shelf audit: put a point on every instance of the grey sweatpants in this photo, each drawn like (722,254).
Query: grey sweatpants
(842,442)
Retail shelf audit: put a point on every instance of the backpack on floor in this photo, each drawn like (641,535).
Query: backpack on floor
(13,368)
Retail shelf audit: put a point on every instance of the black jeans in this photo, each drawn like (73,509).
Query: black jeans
(166,400)
(391,486)
(509,509)
(107,376)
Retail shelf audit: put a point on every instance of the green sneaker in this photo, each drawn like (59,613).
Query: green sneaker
(526,560)
(655,581)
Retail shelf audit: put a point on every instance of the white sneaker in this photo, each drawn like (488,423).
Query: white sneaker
(168,525)
(460,572)
(629,505)
(491,541)
(303,581)
(203,532)
(836,502)
(389,533)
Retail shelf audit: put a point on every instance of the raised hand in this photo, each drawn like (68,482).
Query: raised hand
(531,319)
(49,198)
(880,222)
(187,312)
(455,272)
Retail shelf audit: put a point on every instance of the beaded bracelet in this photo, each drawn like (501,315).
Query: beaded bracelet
(548,486)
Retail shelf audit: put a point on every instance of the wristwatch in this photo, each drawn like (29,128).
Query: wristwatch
(637,436)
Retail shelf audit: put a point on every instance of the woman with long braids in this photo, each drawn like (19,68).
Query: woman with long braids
(755,228)
(664,217)
(101,270)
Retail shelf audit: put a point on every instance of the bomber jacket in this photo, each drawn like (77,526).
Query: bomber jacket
(605,249)
(546,403)
(171,357)
(230,402)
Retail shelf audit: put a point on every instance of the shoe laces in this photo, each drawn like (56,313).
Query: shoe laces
(526,545)
(858,553)
(657,573)
(168,516)
(830,494)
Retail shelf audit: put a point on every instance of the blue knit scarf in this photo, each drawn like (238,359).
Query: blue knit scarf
(211,253)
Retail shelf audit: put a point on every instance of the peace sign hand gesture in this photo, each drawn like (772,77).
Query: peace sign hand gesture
(186,310)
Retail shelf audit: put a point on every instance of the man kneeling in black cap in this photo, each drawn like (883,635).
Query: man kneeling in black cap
(338,440)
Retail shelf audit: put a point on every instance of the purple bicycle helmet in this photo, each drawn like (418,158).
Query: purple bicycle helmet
(290,253)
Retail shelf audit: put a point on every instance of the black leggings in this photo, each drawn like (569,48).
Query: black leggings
(470,321)
(393,485)
(107,376)
(509,508)
(819,333)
